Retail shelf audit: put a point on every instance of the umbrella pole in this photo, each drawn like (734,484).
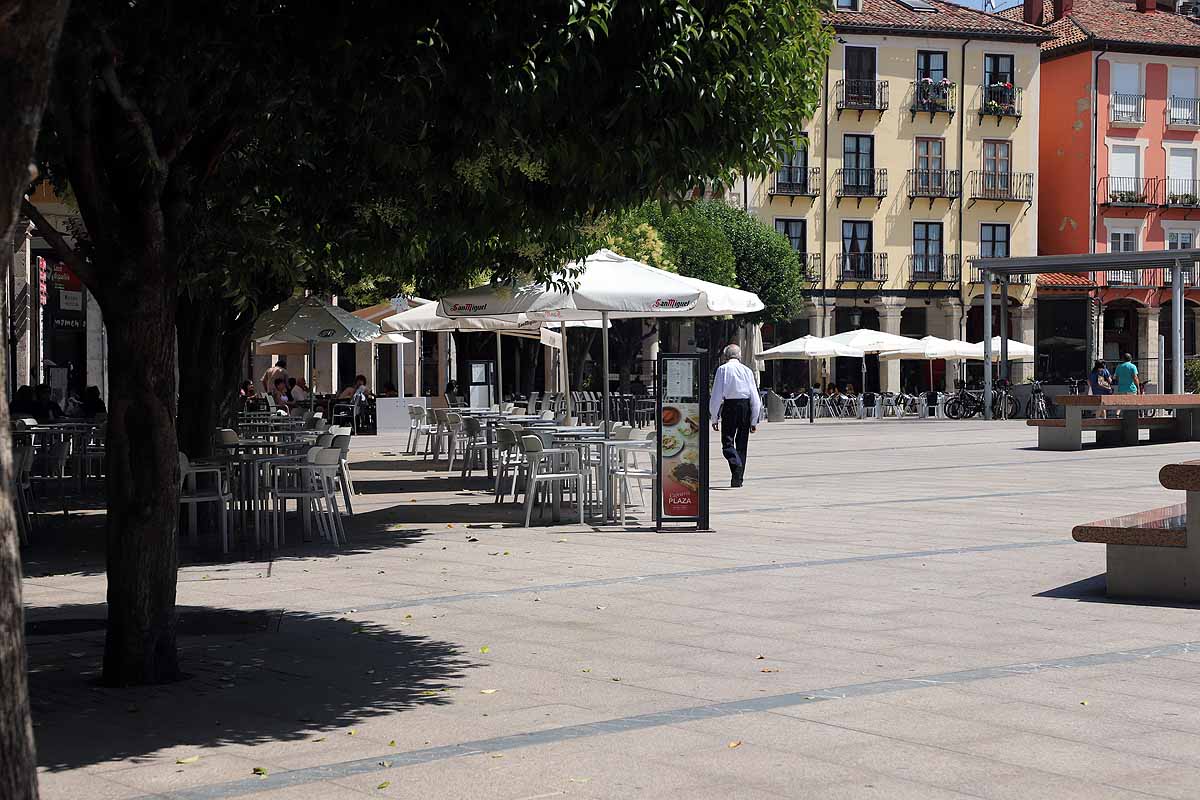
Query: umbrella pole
(564,368)
(604,386)
(312,356)
(499,371)
(812,398)
(862,388)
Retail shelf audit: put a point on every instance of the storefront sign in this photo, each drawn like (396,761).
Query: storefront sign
(681,491)
(70,301)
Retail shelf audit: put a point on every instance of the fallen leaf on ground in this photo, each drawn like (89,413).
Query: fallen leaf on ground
(472,539)
(580,780)
(586,670)
(385,764)
(735,743)
(350,732)
(392,743)
(485,649)
(260,771)
(319,739)
(429,693)
(487,691)
(618,680)
(408,616)
(188,760)
(601,608)
(768,669)
(759,657)
(1083,702)
(384,785)
(497,755)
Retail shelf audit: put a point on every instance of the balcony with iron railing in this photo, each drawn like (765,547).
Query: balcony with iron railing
(1183,112)
(791,180)
(1000,100)
(1187,275)
(934,183)
(811,262)
(1126,109)
(863,267)
(1125,277)
(856,94)
(933,268)
(1180,193)
(977,275)
(932,97)
(1117,190)
(1003,187)
(860,183)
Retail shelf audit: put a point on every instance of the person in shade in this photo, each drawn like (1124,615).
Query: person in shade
(735,402)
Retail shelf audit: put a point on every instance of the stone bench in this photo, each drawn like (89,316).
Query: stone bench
(1149,553)
(1056,434)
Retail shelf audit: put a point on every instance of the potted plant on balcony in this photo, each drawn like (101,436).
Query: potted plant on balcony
(1126,198)
(933,95)
(1000,99)
(1183,199)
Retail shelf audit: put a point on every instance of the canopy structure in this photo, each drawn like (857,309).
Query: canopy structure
(1176,261)
(807,347)
(604,286)
(310,320)
(981,351)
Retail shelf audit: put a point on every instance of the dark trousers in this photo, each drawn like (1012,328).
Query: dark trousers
(735,433)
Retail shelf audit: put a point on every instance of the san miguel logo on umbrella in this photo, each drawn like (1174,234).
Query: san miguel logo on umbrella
(674,303)
(328,332)
(468,308)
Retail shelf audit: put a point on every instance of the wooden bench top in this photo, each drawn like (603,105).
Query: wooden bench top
(1129,400)
(1184,476)
(1157,527)
(1101,422)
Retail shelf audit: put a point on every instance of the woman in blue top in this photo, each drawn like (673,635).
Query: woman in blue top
(1100,379)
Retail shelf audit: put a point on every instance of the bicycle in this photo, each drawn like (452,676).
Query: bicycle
(1039,406)
(1004,404)
(964,404)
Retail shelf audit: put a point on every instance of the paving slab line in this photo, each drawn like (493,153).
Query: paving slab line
(657,719)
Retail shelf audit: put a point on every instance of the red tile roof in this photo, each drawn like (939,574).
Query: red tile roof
(1059,280)
(1118,23)
(949,19)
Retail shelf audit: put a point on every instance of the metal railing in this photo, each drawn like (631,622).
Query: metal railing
(1127,107)
(1004,186)
(1001,100)
(977,275)
(1183,111)
(796,181)
(1187,275)
(1119,190)
(861,182)
(1181,193)
(811,263)
(933,96)
(937,267)
(856,94)
(862,267)
(934,183)
(1124,277)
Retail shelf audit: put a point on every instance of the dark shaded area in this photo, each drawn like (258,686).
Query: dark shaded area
(252,677)
(1093,590)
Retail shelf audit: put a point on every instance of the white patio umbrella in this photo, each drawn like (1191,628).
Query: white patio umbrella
(1016,350)
(604,286)
(930,348)
(809,347)
(870,341)
(309,320)
(425,317)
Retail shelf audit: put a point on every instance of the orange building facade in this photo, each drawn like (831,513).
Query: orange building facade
(1119,153)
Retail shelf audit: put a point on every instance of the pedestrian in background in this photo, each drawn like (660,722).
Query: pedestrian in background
(735,402)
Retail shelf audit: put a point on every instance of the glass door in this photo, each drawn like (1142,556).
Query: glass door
(927,257)
(860,77)
(931,174)
(997,168)
(858,165)
(856,250)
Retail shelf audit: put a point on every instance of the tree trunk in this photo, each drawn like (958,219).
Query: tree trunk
(212,351)
(143,488)
(28,39)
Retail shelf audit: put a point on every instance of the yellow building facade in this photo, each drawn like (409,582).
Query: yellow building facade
(921,157)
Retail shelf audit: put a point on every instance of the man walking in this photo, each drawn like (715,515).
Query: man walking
(1127,376)
(735,402)
(273,374)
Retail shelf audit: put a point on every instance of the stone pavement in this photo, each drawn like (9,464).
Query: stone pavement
(886,610)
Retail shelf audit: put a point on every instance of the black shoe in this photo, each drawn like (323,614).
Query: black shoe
(736,483)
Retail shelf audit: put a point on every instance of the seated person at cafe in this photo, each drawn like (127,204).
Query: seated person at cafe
(247,390)
(359,387)
(92,404)
(281,394)
(297,391)
(275,373)
(45,409)
(23,404)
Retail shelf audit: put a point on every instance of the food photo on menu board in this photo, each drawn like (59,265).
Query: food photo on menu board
(680,443)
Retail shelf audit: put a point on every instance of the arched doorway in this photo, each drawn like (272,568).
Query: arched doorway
(1121,331)
(1190,310)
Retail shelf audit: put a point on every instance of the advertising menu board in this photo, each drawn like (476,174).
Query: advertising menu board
(682,426)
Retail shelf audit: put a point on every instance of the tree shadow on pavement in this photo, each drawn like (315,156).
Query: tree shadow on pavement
(252,677)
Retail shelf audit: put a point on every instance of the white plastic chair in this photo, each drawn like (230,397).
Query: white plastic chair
(341,443)
(549,466)
(191,495)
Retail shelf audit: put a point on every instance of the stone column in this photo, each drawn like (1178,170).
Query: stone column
(820,323)
(1022,319)
(953,330)
(889,369)
(1148,344)
(323,377)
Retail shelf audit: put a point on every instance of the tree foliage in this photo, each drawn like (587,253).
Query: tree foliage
(765,262)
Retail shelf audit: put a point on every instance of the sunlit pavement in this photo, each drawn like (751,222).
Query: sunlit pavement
(890,610)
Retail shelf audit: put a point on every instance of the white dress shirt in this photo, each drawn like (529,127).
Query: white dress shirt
(734,381)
